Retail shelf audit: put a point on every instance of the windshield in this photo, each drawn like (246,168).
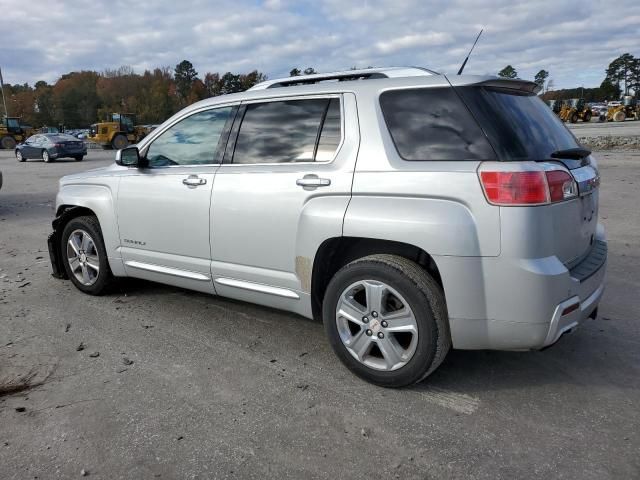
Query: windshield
(13,123)
(519,125)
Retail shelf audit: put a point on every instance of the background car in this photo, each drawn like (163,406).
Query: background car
(51,146)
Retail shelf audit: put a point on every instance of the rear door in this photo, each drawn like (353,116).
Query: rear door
(284,186)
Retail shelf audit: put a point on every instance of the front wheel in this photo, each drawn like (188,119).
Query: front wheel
(587,117)
(386,320)
(19,156)
(84,255)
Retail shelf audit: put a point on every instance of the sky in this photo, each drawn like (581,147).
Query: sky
(573,39)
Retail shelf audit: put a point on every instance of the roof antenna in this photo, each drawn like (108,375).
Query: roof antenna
(466,59)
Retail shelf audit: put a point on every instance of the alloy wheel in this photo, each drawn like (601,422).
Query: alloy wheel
(82,256)
(376,325)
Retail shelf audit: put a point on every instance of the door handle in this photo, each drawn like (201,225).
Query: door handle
(313,181)
(194,181)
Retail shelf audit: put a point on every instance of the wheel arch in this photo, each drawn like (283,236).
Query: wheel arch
(336,252)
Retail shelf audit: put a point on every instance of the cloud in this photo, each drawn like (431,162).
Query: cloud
(573,39)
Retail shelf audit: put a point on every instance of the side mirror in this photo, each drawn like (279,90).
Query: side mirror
(128,157)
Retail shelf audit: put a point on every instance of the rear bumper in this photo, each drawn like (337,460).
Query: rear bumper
(522,304)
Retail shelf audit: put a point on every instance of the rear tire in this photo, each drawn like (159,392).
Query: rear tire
(411,301)
(619,116)
(573,118)
(587,117)
(45,156)
(8,143)
(89,273)
(119,142)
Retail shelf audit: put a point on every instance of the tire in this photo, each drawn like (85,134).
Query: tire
(587,117)
(405,283)
(79,158)
(8,143)
(19,156)
(94,281)
(619,116)
(45,156)
(573,118)
(119,142)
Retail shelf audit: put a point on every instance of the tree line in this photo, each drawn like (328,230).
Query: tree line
(622,76)
(79,99)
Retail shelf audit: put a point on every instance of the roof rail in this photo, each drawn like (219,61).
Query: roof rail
(347,75)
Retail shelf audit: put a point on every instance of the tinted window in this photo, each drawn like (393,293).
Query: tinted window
(62,138)
(192,141)
(520,126)
(13,123)
(331,133)
(433,124)
(288,131)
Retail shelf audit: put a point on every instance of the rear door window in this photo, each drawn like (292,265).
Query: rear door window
(289,131)
(433,124)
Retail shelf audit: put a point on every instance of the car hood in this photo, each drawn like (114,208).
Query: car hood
(109,171)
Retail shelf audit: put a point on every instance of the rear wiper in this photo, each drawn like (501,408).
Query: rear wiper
(577,153)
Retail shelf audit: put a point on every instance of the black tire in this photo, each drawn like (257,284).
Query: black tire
(79,158)
(574,118)
(104,278)
(587,117)
(46,158)
(424,296)
(8,142)
(119,142)
(20,157)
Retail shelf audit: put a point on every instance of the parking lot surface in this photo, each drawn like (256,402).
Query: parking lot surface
(614,129)
(157,382)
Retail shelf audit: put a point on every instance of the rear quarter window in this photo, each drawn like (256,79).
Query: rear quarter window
(433,124)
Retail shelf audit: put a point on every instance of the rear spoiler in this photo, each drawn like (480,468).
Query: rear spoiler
(515,84)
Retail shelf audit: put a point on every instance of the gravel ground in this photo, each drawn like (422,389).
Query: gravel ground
(159,382)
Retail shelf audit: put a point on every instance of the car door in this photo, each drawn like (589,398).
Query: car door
(163,209)
(30,148)
(283,188)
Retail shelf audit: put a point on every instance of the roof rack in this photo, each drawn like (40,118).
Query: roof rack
(347,75)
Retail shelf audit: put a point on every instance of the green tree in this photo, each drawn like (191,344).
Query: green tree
(230,83)
(621,71)
(252,78)
(184,76)
(541,77)
(609,90)
(508,72)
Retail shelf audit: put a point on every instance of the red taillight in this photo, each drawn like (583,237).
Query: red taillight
(515,188)
(527,187)
(57,145)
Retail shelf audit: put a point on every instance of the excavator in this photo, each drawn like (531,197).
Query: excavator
(12,132)
(117,132)
(574,110)
(628,108)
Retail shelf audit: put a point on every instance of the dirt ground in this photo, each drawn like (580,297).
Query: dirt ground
(158,382)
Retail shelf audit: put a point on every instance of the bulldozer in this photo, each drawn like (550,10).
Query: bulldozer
(574,110)
(117,132)
(628,108)
(12,132)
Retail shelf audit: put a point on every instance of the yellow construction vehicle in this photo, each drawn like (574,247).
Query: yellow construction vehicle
(628,108)
(12,133)
(117,132)
(574,110)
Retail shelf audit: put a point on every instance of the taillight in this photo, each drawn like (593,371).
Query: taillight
(57,145)
(527,187)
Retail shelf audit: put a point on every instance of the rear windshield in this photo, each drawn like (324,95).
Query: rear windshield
(63,138)
(519,125)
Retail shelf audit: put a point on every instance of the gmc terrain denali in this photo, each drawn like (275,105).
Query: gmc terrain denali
(412,212)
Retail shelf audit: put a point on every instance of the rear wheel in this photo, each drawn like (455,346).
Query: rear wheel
(79,158)
(8,143)
(19,156)
(587,117)
(119,142)
(45,156)
(84,255)
(619,116)
(386,320)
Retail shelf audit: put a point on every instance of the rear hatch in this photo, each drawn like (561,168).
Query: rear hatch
(521,128)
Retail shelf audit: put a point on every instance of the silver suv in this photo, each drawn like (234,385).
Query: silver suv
(410,211)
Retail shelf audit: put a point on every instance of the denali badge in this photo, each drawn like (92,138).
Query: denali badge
(134,242)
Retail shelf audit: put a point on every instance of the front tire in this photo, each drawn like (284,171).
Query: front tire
(386,320)
(19,156)
(84,255)
(8,143)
